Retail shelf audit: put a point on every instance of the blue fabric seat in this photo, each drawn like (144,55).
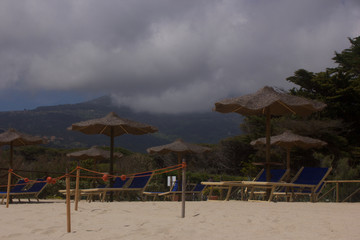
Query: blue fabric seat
(309,181)
(17,188)
(34,190)
(276,175)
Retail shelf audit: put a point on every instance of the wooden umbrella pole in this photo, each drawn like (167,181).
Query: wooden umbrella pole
(268,132)
(183,189)
(68,213)
(267,165)
(11,154)
(77,192)
(8,188)
(111,168)
(179,155)
(288,158)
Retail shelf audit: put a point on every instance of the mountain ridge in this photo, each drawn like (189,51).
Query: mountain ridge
(53,121)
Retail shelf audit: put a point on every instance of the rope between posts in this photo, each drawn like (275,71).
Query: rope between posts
(70,174)
(134,175)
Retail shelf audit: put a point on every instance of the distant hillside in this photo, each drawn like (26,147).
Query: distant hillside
(53,121)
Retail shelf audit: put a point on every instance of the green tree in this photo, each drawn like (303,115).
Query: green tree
(338,87)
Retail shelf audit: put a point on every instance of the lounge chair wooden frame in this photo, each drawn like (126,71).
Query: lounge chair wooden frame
(102,192)
(244,186)
(292,190)
(256,190)
(193,192)
(25,193)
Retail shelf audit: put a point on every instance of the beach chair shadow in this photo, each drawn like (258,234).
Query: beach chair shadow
(307,182)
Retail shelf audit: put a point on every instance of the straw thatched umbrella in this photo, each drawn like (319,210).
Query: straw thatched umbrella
(269,102)
(15,139)
(112,125)
(289,140)
(95,153)
(180,148)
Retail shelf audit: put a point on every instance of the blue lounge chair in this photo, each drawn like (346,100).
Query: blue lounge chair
(17,188)
(34,190)
(192,192)
(308,181)
(244,187)
(277,175)
(174,187)
(137,184)
(100,190)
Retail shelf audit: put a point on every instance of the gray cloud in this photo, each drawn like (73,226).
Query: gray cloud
(168,56)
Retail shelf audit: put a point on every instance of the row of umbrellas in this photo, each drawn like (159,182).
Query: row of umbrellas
(266,102)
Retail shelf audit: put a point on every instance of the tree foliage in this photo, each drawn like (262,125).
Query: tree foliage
(338,87)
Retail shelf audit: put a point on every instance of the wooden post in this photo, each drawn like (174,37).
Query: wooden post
(77,192)
(68,217)
(179,156)
(11,154)
(337,192)
(268,133)
(183,188)
(111,167)
(8,188)
(288,157)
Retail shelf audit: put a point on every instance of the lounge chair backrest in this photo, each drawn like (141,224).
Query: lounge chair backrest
(296,175)
(118,183)
(37,186)
(175,186)
(19,186)
(259,174)
(276,175)
(311,176)
(141,180)
(199,187)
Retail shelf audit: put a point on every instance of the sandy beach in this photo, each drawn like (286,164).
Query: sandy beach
(161,220)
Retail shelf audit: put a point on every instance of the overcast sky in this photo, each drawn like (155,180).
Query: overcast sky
(162,55)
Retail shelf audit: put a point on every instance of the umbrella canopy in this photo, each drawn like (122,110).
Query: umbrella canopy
(269,102)
(180,147)
(267,99)
(289,140)
(94,152)
(15,139)
(112,125)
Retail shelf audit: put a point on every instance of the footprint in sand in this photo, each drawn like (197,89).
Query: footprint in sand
(36,230)
(94,230)
(13,235)
(49,230)
(99,211)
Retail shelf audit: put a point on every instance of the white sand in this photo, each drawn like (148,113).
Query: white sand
(161,220)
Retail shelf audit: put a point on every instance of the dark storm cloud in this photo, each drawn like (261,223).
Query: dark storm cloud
(168,56)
